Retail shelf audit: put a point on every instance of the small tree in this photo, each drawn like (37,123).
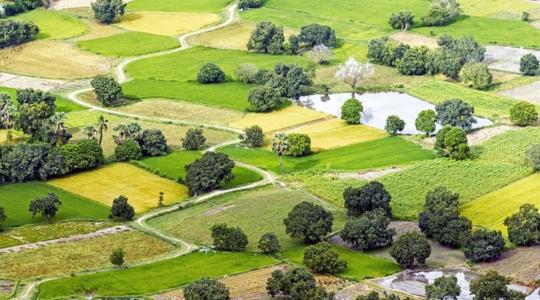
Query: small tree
(456,113)
(117,257)
(280,146)
(369,231)
(532,157)
(206,289)
(107,89)
(299,144)
(442,12)
(229,238)
(265,98)
(246,73)
(443,288)
(523,113)
(452,142)
(247,4)
(524,226)
(354,73)
(484,245)
(414,62)
(296,284)
(426,121)
(476,75)
(194,139)
(394,125)
(153,142)
(320,54)
(253,136)
(46,206)
(121,209)
(369,197)
(491,285)
(411,250)
(3,217)
(128,150)
(316,34)
(308,222)
(320,258)
(208,172)
(102,127)
(269,243)
(210,73)
(351,110)
(529,65)
(267,38)
(401,20)
(108,11)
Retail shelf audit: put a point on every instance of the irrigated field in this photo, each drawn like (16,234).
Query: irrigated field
(107,183)
(179,5)
(166,23)
(55,25)
(129,44)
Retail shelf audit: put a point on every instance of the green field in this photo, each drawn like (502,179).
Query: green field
(172,167)
(155,277)
(179,5)
(15,199)
(56,25)
(129,44)
(391,151)
(509,147)
(62,104)
(256,212)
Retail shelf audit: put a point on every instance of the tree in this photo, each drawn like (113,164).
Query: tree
(394,125)
(351,110)
(299,144)
(484,245)
(267,38)
(194,139)
(14,33)
(415,61)
(102,127)
(210,73)
(491,285)
(280,146)
(246,73)
(35,108)
(442,12)
(265,98)
(476,75)
(443,288)
(229,238)
(401,20)
(208,172)
(369,197)
(532,157)
(153,142)
(426,121)
(17,7)
(320,54)
(206,289)
(466,48)
(127,131)
(3,217)
(524,226)
(117,257)
(46,206)
(247,4)
(82,155)
(8,112)
(316,34)
(529,65)
(294,44)
(108,90)
(369,231)
(308,222)
(523,113)
(455,112)
(292,80)
(452,142)
(269,243)
(354,73)
(128,150)
(90,131)
(320,258)
(253,136)
(121,209)
(296,284)
(108,11)
(375,296)
(411,250)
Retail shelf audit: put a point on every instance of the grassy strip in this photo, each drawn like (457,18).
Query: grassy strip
(53,24)
(129,44)
(62,104)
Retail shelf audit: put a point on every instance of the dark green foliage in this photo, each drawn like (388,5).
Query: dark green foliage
(442,12)
(296,284)
(294,44)
(194,139)
(320,258)
(366,198)
(426,121)
(443,288)
(208,172)
(107,11)
(529,65)
(447,63)
(121,209)
(83,155)
(253,136)
(316,34)
(229,238)
(369,231)
(292,80)
(524,226)
(25,162)
(36,108)
(491,285)
(476,75)
(455,112)
(375,296)
(415,61)
(386,52)
(484,245)
(467,49)
(351,110)
(269,244)
(16,7)
(129,131)
(3,217)
(524,113)
(117,257)
(265,98)
(394,125)
(128,150)
(267,38)
(206,289)
(525,16)
(452,142)
(401,20)
(46,206)
(108,91)
(247,4)
(411,250)
(308,222)
(153,143)
(299,145)
(14,33)
(532,157)
(210,73)
(8,112)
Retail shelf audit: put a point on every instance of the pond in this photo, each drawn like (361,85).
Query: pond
(377,107)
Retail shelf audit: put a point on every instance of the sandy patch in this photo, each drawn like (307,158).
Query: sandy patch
(479,136)
(506,58)
(529,92)
(415,40)
(368,175)
(23,82)
(166,23)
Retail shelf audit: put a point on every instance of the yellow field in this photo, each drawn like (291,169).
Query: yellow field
(107,183)
(166,23)
(500,8)
(414,40)
(490,210)
(283,119)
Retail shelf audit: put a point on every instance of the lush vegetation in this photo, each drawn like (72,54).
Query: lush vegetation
(128,44)
(54,24)
(179,5)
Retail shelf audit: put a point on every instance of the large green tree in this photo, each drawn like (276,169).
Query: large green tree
(351,111)
(296,284)
(317,34)
(46,206)
(411,250)
(491,286)
(452,142)
(524,226)
(229,238)
(484,245)
(369,197)
(426,121)
(320,258)
(455,112)
(443,288)
(108,90)
(208,172)
(369,231)
(108,11)
(121,209)
(267,38)
(308,222)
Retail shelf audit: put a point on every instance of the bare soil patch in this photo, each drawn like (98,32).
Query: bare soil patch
(506,58)
(414,39)
(481,135)
(522,264)
(367,175)
(528,92)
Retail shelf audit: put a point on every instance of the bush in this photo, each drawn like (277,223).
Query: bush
(456,113)
(426,121)
(246,73)
(452,142)
(46,206)
(253,136)
(442,12)
(16,7)
(107,11)
(267,38)
(369,231)
(444,287)
(476,75)
(316,34)
(208,172)
(206,289)
(491,285)
(153,143)
(351,110)
(524,113)
(229,238)
(415,61)
(117,257)
(194,139)
(210,73)
(484,245)
(3,217)
(532,157)
(366,198)
(394,125)
(14,33)
(411,250)
(81,156)
(467,49)
(247,4)
(308,222)
(529,65)
(128,150)
(108,90)
(320,258)
(524,226)
(296,284)
(269,244)
(299,144)
(386,51)
(265,98)
(401,20)
(121,209)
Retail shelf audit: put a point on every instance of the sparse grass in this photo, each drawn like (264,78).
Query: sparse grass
(129,44)
(107,183)
(166,23)
(179,5)
(54,24)
(495,7)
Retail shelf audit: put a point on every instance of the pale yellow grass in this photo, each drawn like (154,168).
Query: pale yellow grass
(414,39)
(16,136)
(498,8)
(107,183)
(52,59)
(283,119)
(166,23)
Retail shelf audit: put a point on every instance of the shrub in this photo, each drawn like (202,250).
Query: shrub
(491,285)
(442,12)
(467,49)
(484,245)
(206,289)
(444,287)
(107,11)
(82,155)
(523,113)
(293,45)
(366,198)
(267,38)
(308,222)
(411,249)
(210,73)
(229,238)
(117,257)
(414,62)
(128,150)
(253,136)
(46,206)
(265,98)
(14,33)
(299,144)
(369,231)
(529,65)
(456,113)
(121,209)
(351,110)
(401,20)
(208,172)
(269,244)
(532,157)
(452,142)
(16,7)
(246,73)
(316,34)
(247,4)
(108,90)
(296,284)
(194,139)
(320,258)
(153,142)
(426,121)
(476,75)
(394,125)
(524,226)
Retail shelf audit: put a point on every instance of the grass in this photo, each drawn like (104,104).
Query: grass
(390,151)
(166,23)
(107,183)
(155,277)
(72,257)
(129,44)
(15,198)
(256,212)
(496,7)
(502,203)
(56,25)
(179,5)
(509,147)
(62,104)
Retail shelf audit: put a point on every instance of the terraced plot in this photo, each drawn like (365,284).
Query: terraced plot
(129,44)
(166,23)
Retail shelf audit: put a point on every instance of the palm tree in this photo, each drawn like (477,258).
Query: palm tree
(280,146)
(101,127)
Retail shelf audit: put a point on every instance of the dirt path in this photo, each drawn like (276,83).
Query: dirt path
(24,82)
(367,175)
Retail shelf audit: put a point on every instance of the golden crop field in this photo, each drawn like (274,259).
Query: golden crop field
(166,23)
(107,183)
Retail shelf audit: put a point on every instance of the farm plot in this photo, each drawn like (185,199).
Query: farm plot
(54,25)
(62,104)
(522,264)
(179,5)
(107,183)
(166,23)
(62,259)
(508,147)
(256,212)
(497,8)
(506,58)
(128,44)
(156,277)
(528,92)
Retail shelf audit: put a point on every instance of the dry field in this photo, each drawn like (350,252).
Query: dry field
(506,58)
(107,183)
(414,39)
(166,23)
(522,264)
(528,92)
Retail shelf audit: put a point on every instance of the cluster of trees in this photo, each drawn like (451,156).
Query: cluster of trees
(294,144)
(524,226)
(208,172)
(441,12)
(20,6)
(108,91)
(108,11)
(248,4)
(133,142)
(14,33)
(296,284)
